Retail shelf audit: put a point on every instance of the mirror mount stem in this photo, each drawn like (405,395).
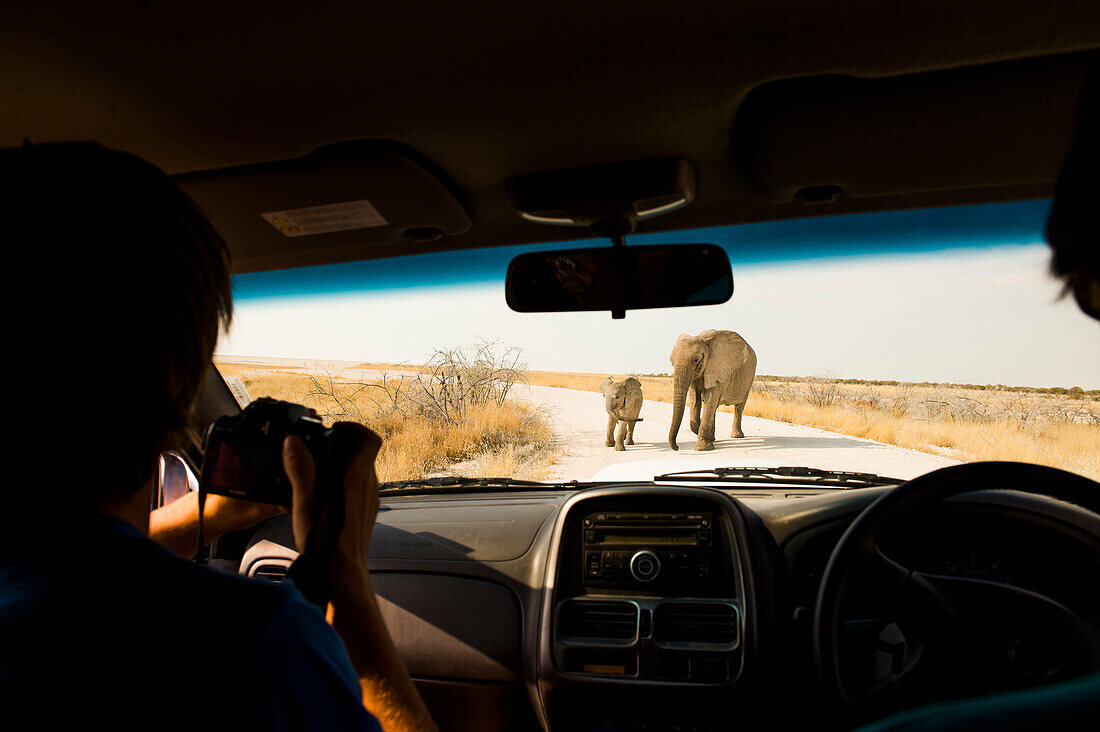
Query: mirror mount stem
(618,303)
(616,229)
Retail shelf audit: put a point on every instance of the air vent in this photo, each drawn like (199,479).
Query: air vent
(606,620)
(695,622)
(269,571)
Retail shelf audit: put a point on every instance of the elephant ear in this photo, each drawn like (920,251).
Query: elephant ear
(680,344)
(726,354)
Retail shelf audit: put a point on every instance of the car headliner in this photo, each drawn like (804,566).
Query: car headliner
(899,105)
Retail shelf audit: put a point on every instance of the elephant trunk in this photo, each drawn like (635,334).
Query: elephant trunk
(680,383)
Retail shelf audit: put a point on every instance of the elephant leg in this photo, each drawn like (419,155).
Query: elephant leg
(696,404)
(630,432)
(620,437)
(706,428)
(738,410)
(611,422)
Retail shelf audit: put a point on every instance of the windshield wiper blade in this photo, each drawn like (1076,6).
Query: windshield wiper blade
(445,483)
(788,475)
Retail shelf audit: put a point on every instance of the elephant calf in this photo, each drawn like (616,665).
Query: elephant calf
(623,400)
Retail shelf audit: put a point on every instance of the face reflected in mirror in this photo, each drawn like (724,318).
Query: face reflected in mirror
(576,273)
(175,479)
(629,278)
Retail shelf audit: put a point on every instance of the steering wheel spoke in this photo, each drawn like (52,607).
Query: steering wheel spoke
(909,595)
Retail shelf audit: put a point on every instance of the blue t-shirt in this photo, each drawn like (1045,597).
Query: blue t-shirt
(100,625)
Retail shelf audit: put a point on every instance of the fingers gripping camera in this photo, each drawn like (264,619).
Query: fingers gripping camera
(242,456)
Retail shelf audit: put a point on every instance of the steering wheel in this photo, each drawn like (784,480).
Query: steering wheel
(942,635)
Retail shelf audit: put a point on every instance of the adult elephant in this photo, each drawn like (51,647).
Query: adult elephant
(719,366)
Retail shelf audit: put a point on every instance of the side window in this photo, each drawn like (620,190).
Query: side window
(175,479)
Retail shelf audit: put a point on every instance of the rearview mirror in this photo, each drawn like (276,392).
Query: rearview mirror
(619,278)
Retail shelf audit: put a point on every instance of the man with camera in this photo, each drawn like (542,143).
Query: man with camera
(115,289)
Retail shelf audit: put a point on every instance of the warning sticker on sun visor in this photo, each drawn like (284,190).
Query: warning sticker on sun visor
(323,219)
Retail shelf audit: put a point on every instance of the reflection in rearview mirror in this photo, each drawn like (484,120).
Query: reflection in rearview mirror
(619,278)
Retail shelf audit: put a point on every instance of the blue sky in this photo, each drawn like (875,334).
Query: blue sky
(951,294)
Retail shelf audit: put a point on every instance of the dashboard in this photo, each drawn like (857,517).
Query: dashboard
(643,607)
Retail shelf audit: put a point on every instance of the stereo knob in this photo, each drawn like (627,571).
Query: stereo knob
(645,565)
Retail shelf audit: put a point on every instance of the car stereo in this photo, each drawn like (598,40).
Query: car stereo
(635,550)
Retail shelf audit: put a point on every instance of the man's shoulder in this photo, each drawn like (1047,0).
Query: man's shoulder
(261,653)
(129,588)
(139,567)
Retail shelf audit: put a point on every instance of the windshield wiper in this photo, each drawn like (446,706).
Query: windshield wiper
(447,484)
(790,475)
(793,475)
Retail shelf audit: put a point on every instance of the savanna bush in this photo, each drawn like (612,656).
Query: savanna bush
(455,410)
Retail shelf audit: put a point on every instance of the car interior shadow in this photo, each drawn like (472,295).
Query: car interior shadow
(764,442)
(807,442)
(429,628)
(449,613)
(637,446)
(449,544)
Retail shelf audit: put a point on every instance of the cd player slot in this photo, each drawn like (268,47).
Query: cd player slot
(642,536)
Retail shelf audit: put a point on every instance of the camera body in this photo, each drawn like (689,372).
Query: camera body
(243,453)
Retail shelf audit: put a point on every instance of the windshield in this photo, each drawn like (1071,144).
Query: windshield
(888,343)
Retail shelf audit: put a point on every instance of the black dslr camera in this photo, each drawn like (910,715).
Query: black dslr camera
(243,454)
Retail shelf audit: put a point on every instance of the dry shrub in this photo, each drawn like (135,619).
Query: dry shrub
(409,453)
(457,380)
(822,393)
(455,411)
(489,428)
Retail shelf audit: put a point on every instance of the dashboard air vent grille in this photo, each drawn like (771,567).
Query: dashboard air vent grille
(269,571)
(611,620)
(695,622)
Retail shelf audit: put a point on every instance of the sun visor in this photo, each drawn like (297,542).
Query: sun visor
(339,203)
(1003,125)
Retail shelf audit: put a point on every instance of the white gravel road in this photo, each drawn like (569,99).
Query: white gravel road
(580,425)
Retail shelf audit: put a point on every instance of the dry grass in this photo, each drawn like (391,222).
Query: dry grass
(657,388)
(479,436)
(368,366)
(1035,426)
(1067,445)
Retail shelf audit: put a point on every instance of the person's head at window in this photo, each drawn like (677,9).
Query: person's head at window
(1073,229)
(116,290)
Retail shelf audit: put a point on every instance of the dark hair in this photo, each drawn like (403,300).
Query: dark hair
(1073,228)
(116,288)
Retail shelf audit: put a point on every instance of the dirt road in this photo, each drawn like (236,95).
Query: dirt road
(580,425)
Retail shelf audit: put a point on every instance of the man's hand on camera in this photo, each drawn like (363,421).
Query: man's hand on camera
(388,691)
(360,488)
